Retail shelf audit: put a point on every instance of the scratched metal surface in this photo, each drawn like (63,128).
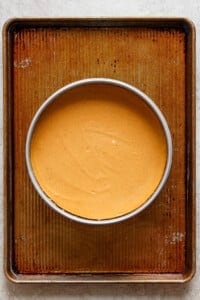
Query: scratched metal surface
(150,246)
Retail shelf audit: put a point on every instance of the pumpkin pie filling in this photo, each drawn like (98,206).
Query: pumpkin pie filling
(98,152)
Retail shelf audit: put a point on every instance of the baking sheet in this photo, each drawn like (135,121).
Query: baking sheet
(155,55)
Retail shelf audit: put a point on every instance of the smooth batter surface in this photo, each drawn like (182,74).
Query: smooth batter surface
(98,153)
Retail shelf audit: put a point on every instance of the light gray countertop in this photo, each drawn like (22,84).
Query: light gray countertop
(72,8)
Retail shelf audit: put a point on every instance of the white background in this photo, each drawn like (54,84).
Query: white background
(72,8)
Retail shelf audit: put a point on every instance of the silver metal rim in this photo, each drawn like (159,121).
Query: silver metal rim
(126,86)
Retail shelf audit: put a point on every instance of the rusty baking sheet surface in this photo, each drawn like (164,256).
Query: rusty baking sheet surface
(155,55)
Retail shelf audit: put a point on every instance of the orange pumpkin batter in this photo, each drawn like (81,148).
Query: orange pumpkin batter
(98,153)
